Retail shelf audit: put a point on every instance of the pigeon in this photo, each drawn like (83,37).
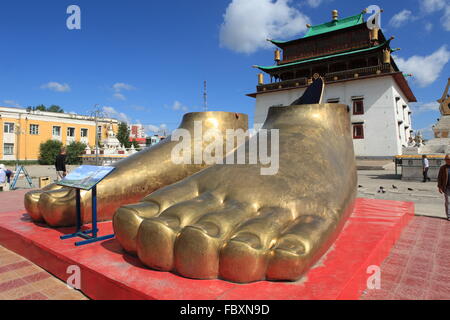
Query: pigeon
(360,186)
(394,187)
(381,190)
(409,189)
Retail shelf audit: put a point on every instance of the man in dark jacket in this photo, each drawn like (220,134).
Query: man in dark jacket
(444,183)
(60,165)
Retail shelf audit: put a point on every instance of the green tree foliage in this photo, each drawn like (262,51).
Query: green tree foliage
(41,107)
(123,135)
(74,152)
(136,145)
(52,108)
(48,151)
(55,108)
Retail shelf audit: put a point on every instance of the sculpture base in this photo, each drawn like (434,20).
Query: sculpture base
(108,273)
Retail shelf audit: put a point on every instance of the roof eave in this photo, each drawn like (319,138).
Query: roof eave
(273,68)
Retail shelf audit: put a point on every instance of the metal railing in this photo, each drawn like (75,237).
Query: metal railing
(329,77)
(358,72)
(283,84)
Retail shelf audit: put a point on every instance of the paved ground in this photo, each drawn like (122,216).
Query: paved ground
(22,280)
(37,171)
(418,266)
(428,201)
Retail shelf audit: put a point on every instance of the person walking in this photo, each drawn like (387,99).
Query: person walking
(426,167)
(3,183)
(444,184)
(60,165)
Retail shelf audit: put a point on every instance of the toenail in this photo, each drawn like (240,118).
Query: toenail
(293,246)
(249,238)
(171,222)
(211,229)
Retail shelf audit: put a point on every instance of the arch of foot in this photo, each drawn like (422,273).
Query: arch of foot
(134,177)
(231,222)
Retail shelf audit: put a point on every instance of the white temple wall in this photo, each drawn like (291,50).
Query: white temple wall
(382,137)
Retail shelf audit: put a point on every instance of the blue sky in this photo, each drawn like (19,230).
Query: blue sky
(146,61)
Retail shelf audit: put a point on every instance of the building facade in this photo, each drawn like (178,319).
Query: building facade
(24,131)
(358,70)
(137,133)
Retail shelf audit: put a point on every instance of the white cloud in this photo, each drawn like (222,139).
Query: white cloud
(425,69)
(428,26)
(314,3)
(430,6)
(119,96)
(425,107)
(120,86)
(113,113)
(401,18)
(178,106)
(445,20)
(139,108)
(11,103)
(248,23)
(56,86)
(149,128)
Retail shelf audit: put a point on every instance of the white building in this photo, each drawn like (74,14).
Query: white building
(362,75)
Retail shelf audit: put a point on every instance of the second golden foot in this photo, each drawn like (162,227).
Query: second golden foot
(134,177)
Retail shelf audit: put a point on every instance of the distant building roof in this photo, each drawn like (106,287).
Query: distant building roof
(65,115)
(141,140)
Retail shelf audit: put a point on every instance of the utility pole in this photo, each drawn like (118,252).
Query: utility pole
(205,98)
(96,113)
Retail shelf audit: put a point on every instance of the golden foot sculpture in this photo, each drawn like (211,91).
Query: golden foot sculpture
(234,223)
(134,177)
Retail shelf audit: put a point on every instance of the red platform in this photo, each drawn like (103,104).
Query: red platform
(108,273)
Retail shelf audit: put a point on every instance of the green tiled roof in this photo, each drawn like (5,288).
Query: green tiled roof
(269,68)
(329,27)
(335,25)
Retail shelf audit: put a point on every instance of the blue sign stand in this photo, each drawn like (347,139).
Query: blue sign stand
(91,235)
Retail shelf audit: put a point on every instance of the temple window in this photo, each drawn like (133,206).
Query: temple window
(358,131)
(358,106)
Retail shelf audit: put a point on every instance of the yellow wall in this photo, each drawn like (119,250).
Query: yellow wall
(29,144)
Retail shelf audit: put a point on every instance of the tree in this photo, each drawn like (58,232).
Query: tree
(40,107)
(48,151)
(123,135)
(55,108)
(136,145)
(74,152)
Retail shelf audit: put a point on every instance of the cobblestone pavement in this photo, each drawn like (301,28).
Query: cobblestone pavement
(22,280)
